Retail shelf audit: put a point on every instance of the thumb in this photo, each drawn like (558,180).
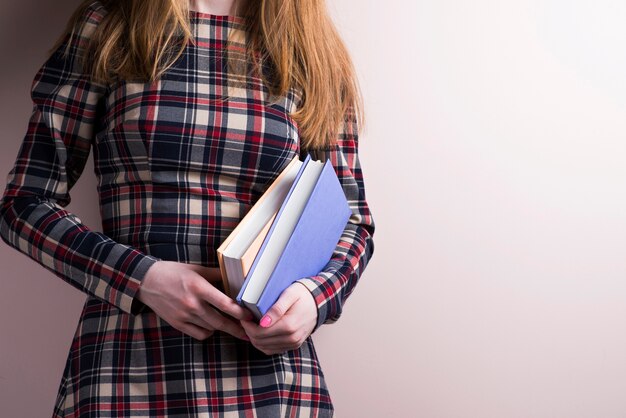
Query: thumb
(287,298)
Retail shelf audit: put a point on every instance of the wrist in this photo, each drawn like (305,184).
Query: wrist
(146,282)
(311,302)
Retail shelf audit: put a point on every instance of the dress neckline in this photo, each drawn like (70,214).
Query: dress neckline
(233,19)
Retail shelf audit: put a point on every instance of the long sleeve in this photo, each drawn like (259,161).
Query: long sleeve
(332,286)
(50,160)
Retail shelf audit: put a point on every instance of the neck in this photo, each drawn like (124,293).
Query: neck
(216,7)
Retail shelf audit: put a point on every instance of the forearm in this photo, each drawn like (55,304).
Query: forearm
(332,286)
(60,242)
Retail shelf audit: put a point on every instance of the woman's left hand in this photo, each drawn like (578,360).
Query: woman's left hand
(287,324)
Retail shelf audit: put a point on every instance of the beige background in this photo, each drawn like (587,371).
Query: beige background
(494,161)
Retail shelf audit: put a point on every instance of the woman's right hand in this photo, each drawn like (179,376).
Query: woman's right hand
(182,295)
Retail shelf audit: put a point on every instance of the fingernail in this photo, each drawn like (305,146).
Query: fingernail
(245,337)
(265,321)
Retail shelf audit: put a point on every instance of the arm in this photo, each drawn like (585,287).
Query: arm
(300,310)
(50,160)
(332,286)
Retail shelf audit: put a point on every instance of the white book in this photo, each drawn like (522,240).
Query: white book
(237,253)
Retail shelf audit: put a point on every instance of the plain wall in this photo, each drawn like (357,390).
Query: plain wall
(494,161)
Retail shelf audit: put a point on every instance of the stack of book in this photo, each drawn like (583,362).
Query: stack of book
(289,233)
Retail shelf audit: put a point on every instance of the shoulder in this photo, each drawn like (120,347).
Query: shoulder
(93,10)
(65,61)
(81,29)
(85,21)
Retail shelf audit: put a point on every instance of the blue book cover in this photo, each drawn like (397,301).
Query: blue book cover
(313,240)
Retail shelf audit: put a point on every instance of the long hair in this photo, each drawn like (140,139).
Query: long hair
(139,39)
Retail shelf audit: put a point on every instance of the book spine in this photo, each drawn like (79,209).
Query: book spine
(254,309)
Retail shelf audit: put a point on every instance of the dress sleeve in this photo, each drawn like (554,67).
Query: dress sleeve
(50,160)
(332,286)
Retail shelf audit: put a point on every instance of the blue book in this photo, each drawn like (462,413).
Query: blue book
(302,237)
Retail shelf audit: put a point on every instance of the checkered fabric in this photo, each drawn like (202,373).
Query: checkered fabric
(179,162)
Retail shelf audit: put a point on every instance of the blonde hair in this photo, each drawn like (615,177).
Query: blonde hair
(139,39)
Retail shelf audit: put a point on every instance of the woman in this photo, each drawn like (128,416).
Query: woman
(192,109)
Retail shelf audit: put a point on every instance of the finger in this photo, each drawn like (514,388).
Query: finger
(280,308)
(199,319)
(256,332)
(220,322)
(290,342)
(222,302)
(208,318)
(252,329)
(281,329)
(272,350)
(195,331)
(284,338)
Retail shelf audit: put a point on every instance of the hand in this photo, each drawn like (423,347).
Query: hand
(182,295)
(287,324)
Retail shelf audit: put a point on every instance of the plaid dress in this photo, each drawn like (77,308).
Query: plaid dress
(178,166)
